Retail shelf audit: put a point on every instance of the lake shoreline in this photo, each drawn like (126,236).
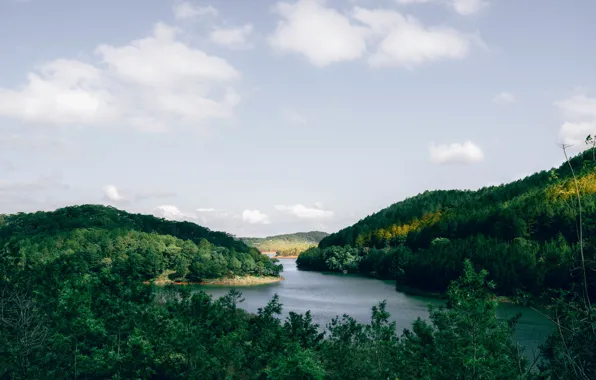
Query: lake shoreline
(330,294)
(412,291)
(230,281)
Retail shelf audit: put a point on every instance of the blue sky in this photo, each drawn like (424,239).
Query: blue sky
(268,117)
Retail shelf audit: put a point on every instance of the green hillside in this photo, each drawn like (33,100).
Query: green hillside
(524,233)
(287,245)
(106,236)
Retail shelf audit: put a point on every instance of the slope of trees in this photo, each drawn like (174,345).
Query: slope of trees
(88,319)
(524,233)
(287,245)
(96,216)
(153,246)
(73,306)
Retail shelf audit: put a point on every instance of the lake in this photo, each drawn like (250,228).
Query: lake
(329,295)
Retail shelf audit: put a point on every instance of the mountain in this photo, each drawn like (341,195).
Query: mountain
(287,245)
(105,236)
(524,233)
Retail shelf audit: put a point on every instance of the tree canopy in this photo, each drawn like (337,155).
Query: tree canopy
(152,246)
(524,233)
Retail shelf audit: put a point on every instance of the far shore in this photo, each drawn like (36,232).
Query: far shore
(230,281)
(286,257)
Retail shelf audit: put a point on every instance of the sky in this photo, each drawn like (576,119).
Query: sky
(266,117)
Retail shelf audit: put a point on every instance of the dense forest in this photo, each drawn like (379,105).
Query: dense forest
(74,304)
(288,244)
(78,317)
(524,233)
(155,247)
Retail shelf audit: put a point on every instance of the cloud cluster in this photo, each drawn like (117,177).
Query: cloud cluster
(150,84)
(211,216)
(455,153)
(324,36)
(111,193)
(303,212)
(172,212)
(467,7)
(255,217)
(233,37)
(580,111)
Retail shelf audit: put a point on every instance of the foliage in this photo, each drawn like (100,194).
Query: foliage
(73,304)
(114,237)
(570,352)
(92,319)
(464,341)
(524,233)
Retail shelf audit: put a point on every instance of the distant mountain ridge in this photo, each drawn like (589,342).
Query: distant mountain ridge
(286,244)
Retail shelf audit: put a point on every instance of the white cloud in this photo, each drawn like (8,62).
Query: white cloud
(325,36)
(111,193)
(255,217)
(172,212)
(578,106)
(150,84)
(575,133)
(187,10)
(318,205)
(468,7)
(162,61)
(205,210)
(581,112)
(291,116)
(455,153)
(304,212)
(321,34)
(504,98)
(233,38)
(404,41)
(60,92)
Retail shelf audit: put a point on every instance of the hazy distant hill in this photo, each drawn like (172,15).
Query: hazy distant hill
(287,245)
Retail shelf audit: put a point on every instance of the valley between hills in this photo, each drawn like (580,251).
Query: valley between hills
(84,275)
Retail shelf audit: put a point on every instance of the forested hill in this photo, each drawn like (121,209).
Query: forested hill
(287,244)
(106,217)
(152,247)
(524,233)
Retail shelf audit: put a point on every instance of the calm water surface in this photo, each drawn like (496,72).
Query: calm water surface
(329,295)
